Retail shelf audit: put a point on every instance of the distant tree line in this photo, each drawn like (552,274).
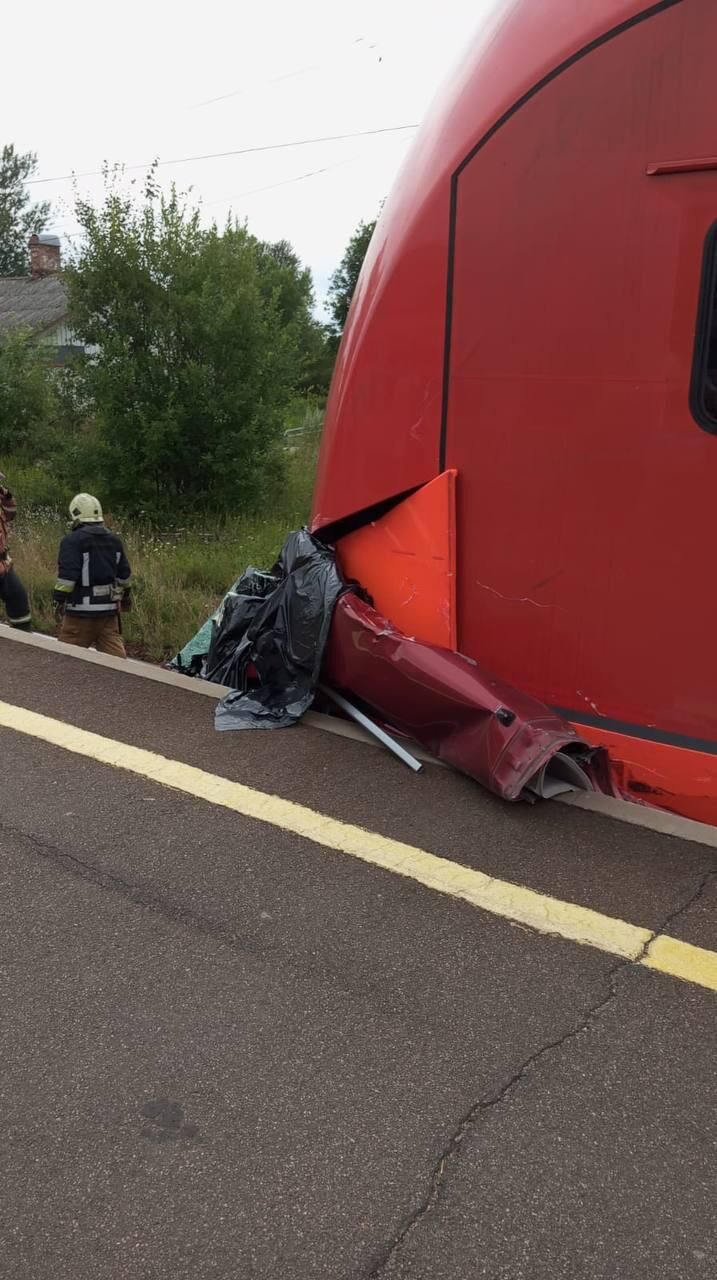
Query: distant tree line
(342,284)
(19,217)
(196,342)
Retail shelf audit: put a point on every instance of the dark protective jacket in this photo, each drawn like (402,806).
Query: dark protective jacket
(8,511)
(93,572)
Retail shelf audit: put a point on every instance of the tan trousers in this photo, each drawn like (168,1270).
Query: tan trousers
(102,631)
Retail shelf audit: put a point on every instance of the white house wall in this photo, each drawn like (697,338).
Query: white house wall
(63,336)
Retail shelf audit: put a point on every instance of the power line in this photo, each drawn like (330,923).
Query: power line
(287,75)
(285,182)
(239,195)
(221,155)
(236,93)
(301,177)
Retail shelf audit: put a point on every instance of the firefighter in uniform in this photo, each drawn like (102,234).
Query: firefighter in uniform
(92,581)
(12,591)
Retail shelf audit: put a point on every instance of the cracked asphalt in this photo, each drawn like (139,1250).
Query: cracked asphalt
(227,1052)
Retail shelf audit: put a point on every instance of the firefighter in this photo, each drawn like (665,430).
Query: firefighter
(12,592)
(92,585)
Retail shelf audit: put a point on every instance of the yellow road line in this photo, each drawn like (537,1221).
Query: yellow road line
(682,960)
(514,902)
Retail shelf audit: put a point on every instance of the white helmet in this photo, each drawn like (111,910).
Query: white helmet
(85,509)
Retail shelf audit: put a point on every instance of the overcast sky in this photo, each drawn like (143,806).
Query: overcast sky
(87,82)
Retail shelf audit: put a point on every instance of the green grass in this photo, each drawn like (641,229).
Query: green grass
(179,577)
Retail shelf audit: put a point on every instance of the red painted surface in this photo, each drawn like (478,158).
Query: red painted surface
(585,487)
(409,557)
(658,774)
(443,700)
(696,165)
(387,387)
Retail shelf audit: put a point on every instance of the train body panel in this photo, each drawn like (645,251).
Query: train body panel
(528,316)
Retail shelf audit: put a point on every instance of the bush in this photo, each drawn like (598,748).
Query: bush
(180,573)
(201,338)
(28,401)
(39,487)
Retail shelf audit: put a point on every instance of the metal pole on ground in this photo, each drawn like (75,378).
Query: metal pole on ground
(378,733)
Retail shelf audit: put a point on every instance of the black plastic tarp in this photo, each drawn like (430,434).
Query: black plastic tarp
(269,641)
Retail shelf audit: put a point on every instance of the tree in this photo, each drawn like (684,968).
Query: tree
(289,284)
(27,395)
(345,278)
(19,218)
(196,356)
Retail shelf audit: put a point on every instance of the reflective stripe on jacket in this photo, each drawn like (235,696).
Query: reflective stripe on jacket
(92,572)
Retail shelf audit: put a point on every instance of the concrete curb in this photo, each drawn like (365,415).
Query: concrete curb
(147,671)
(639,815)
(657,820)
(130,666)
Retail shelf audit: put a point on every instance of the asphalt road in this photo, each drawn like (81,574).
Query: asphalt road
(227,1052)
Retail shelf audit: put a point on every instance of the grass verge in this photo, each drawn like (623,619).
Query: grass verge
(179,576)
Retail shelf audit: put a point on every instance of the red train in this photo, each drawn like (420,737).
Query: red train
(538,315)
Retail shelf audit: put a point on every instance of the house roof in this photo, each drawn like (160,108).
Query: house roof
(27,303)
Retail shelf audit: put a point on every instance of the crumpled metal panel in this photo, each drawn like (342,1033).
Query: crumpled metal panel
(406,560)
(447,703)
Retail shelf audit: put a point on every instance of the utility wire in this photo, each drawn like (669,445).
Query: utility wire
(287,75)
(221,155)
(285,182)
(237,93)
(239,195)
